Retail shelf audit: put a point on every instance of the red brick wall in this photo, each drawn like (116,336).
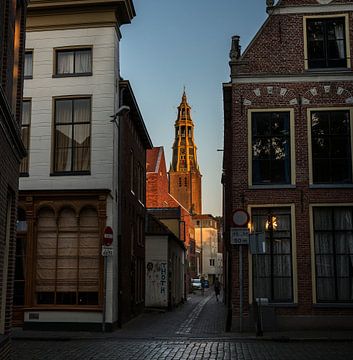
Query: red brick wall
(11,148)
(279,49)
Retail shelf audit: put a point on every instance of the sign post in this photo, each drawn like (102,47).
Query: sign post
(239,235)
(107,251)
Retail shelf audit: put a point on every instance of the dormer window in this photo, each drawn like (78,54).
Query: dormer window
(326,43)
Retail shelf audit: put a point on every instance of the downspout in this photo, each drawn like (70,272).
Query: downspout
(120,153)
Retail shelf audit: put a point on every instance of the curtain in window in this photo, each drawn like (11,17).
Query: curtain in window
(82,133)
(83,61)
(334,253)
(26,120)
(46,251)
(339,34)
(88,276)
(324,254)
(65,62)
(344,252)
(63,135)
(28,66)
(272,271)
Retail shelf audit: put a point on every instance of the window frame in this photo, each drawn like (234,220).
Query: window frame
(53,157)
(347,41)
(313,254)
(28,51)
(294,271)
(25,173)
(79,230)
(292,159)
(73,49)
(310,150)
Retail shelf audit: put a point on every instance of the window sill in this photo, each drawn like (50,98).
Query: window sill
(71,75)
(24,174)
(328,70)
(331,186)
(279,305)
(28,77)
(69,173)
(271,186)
(51,307)
(333,305)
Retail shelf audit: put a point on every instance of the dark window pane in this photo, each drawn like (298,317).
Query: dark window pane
(271,145)
(331,147)
(341,171)
(326,43)
(66,298)
(45,298)
(344,288)
(325,289)
(282,289)
(88,298)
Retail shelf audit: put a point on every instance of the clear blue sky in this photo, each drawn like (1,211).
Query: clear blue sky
(172,43)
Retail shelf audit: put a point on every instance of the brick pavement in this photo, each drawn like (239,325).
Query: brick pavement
(193,331)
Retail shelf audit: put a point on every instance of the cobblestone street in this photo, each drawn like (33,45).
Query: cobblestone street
(194,330)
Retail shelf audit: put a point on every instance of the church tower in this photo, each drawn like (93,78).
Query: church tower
(184,173)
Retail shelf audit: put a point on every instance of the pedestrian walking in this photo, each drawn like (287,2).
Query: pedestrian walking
(217,288)
(203,285)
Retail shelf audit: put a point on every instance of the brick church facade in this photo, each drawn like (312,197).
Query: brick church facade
(288,119)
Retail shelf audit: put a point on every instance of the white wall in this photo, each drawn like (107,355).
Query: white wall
(43,87)
(101,86)
(157,256)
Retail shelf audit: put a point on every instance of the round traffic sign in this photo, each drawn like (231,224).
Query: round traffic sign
(240,217)
(108,236)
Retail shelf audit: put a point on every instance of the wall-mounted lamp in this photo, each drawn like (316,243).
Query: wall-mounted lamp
(124,109)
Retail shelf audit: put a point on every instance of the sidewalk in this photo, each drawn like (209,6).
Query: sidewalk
(201,317)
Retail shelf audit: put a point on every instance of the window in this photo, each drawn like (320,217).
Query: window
(73,62)
(67,257)
(28,66)
(331,147)
(7,225)
(25,134)
(333,237)
(272,270)
(326,41)
(132,166)
(211,262)
(270,148)
(72,152)
(20,260)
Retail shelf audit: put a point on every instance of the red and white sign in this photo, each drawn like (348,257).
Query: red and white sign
(240,218)
(108,236)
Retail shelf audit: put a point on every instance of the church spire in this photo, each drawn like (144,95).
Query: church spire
(184,174)
(184,148)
